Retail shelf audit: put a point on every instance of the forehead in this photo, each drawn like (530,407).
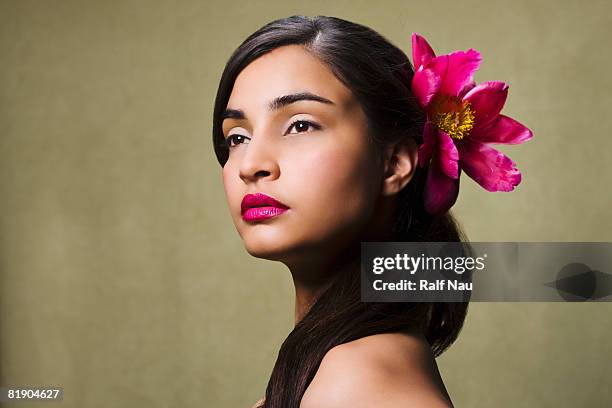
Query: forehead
(284,70)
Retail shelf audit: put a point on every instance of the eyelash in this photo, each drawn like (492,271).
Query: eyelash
(228,140)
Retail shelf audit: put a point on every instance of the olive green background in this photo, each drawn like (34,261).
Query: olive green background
(122,278)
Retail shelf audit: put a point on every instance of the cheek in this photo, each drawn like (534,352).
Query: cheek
(336,190)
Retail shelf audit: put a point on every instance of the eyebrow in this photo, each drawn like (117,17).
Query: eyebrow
(278,103)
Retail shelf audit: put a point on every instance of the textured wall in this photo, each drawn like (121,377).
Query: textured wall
(122,278)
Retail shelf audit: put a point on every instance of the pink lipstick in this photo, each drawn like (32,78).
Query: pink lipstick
(258,207)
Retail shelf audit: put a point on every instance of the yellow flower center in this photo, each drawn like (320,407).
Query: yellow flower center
(453,116)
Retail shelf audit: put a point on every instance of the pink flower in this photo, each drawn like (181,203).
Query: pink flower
(462,120)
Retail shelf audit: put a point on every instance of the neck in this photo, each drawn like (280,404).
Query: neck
(310,285)
(312,277)
(305,297)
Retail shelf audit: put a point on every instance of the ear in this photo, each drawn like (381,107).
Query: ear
(400,165)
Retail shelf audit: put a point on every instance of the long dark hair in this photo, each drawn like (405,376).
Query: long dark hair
(379,74)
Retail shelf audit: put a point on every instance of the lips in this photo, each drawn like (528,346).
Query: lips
(255,207)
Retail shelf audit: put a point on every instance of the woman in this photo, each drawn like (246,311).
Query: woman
(317,130)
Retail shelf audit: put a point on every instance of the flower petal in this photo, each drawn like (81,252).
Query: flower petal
(421,51)
(440,192)
(489,167)
(502,129)
(466,88)
(459,70)
(487,100)
(447,156)
(425,84)
(430,141)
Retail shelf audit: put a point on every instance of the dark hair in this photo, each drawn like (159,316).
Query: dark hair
(379,74)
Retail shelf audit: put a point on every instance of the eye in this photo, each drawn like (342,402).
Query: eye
(236,138)
(303,125)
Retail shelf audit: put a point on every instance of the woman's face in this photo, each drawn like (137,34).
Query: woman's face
(308,150)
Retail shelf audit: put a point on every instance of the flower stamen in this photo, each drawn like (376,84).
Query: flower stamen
(455,117)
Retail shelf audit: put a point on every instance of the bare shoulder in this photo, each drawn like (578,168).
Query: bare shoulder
(386,370)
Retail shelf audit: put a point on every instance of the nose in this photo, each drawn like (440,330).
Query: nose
(259,161)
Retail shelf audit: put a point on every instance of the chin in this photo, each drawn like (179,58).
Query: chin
(265,243)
